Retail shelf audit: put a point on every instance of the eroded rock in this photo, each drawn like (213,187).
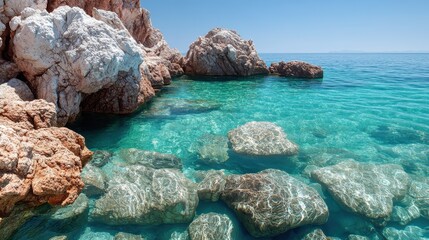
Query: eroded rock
(95,180)
(151,159)
(296,69)
(364,188)
(261,139)
(223,53)
(211,226)
(271,202)
(212,148)
(141,195)
(61,56)
(211,185)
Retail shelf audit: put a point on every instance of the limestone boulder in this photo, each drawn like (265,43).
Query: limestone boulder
(296,69)
(151,159)
(419,191)
(212,148)
(211,226)
(261,139)
(8,70)
(365,188)
(211,185)
(61,56)
(70,215)
(95,180)
(271,202)
(100,158)
(15,90)
(223,53)
(141,195)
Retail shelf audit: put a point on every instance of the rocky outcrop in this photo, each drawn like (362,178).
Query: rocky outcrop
(223,53)
(271,202)
(296,69)
(364,188)
(61,56)
(211,226)
(261,139)
(141,195)
(151,159)
(137,21)
(39,163)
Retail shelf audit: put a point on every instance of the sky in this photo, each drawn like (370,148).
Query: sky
(299,26)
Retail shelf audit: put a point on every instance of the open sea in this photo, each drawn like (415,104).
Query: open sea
(368,107)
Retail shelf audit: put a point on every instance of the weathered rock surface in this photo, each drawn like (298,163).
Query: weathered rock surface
(364,188)
(15,90)
(137,21)
(419,191)
(211,226)
(95,180)
(409,233)
(211,185)
(223,53)
(61,56)
(127,236)
(296,69)
(151,159)
(39,163)
(404,215)
(212,148)
(141,195)
(100,158)
(70,214)
(19,215)
(316,234)
(272,202)
(261,139)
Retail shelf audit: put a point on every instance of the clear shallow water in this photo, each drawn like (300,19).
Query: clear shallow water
(369,107)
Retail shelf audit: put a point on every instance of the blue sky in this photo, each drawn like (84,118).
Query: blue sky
(301,26)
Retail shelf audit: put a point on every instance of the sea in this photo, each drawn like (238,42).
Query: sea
(368,107)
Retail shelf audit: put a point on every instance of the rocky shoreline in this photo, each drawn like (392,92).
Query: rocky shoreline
(59,58)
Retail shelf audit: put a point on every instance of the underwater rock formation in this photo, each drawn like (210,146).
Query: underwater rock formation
(95,180)
(141,195)
(151,159)
(100,158)
(223,53)
(261,139)
(296,69)
(364,188)
(211,226)
(61,56)
(212,148)
(316,234)
(71,214)
(211,185)
(419,191)
(39,162)
(271,202)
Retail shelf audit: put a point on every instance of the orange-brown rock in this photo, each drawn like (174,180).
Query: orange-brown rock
(39,162)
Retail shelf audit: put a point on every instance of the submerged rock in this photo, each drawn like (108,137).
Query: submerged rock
(261,139)
(405,215)
(409,233)
(54,51)
(364,188)
(127,236)
(151,159)
(211,186)
(397,135)
(211,226)
(223,53)
(419,191)
(100,158)
(296,69)
(95,181)
(271,202)
(10,224)
(72,214)
(316,234)
(141,195)
(212,148)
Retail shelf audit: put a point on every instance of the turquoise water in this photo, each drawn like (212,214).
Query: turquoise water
(368,107)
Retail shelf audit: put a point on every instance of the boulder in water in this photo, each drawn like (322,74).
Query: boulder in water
(296,69)
(211,226)
(151,159)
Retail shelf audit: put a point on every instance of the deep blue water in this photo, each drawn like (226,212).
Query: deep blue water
(368,107)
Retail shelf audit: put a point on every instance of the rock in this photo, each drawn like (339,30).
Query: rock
(409,233)
(261,139)
(127,236)
(15,90)
(419,191)
(141,195)
(63,237)
(53,52)
(137,21)
(271,202)
(357,237)
(100,158)
(223,53)
(19,215)
(211,186)
(405,215)
(151,159)
(211,226)
(364,188)
(70,215)
(212,149)
(180,236)
(39,163)
(397,135)
(95,181)
(296,69)
(316,234)
(159,73)
(8,70)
